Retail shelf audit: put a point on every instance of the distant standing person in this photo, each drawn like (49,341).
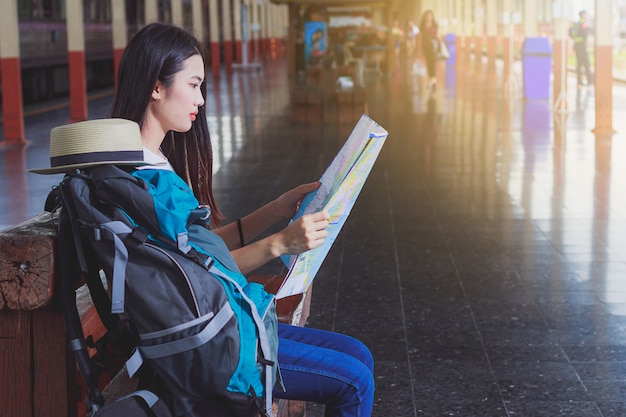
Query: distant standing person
(428,31)
(579,32)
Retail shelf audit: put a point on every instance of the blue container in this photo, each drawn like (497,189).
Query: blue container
(450,40)
(537,67)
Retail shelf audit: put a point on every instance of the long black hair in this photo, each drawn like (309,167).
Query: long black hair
(156,53)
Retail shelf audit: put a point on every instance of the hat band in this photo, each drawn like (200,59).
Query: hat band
(94,157)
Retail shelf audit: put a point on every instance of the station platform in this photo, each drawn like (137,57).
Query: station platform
(484,263)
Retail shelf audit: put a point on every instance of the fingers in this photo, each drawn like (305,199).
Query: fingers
(308,232)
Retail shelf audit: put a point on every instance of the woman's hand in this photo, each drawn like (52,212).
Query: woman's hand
(306,233)
(287,204)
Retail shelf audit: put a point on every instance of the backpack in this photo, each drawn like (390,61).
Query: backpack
(210,336)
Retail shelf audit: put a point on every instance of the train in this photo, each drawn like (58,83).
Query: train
(43,44)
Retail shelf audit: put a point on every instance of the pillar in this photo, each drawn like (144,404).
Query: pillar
(468,30)
(236,16)
(460,34)
(151,12)
(177,12)
(11,73)
(271,31)
(76,60)
(603,69)
(196,21)
(560,35)
(507,39)
(118,25)
(531,28)
(492,38)
(291,47)
(228,36)
(255,30)
(479,35)
(263,37)
(214,37)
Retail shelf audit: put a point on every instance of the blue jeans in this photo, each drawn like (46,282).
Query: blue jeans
(328,368)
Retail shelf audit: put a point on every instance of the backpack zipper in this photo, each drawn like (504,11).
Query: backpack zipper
(193,295)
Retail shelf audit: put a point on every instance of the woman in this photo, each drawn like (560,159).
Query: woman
(428,29)
(161,87)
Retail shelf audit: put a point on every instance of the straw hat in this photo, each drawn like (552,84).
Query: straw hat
(94,142)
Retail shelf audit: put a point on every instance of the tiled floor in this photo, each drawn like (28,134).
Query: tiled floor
(485,261)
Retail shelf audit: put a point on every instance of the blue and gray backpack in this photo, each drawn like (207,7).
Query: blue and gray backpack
(210,336)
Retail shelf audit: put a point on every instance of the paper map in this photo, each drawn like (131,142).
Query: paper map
(340,186)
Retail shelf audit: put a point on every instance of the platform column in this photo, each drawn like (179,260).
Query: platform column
(196,21)
(479,35)
(11,73)
(118,25)
(458,29)
(291,43)
(507,40)
(531,28)
(603,69)
(264,38)
(492,38)
(76,60)
(255,32)
(228,35)
(237,31)
(177,12)
(151,12)
(214,37)
(468,31)
(560,29)
(272,29)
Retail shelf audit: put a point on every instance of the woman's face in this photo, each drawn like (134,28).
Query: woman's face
(176,106)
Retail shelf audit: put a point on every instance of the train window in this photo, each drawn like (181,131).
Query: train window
(40,9)
(97,11)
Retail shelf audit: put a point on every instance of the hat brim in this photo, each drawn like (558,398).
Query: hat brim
(65,168)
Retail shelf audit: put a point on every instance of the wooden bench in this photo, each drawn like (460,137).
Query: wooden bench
(39,374)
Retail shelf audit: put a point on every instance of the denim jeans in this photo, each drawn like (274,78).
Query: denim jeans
(328,368)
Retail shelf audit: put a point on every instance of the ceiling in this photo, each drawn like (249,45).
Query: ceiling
(339,3)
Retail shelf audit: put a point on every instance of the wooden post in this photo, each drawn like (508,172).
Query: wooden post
(76,60)
(603,69)
(118,25)
(11,73)
(31,327)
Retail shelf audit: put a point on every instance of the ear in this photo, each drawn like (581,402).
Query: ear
(157,91)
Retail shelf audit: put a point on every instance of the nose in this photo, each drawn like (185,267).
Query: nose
(199,99)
